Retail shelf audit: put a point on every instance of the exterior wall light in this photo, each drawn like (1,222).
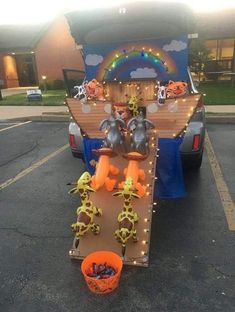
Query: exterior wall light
(44,78)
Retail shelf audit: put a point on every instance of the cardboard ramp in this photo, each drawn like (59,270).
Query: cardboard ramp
(137,253)
(170,120)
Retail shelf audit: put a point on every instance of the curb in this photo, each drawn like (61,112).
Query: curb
(43,118)
(220,118)
(55,113)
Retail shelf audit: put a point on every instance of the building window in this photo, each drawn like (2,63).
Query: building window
(222,49)
(226,49)
(212,45)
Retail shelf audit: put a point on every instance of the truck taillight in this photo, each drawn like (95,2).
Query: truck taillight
(196,142)
(72,141)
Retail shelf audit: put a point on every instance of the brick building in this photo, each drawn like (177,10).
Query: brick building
(28,53)
(217,30)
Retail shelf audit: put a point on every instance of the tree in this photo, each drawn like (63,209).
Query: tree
(199,55)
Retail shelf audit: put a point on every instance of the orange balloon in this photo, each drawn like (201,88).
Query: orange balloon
(133,171)
(102,171)
(103,168)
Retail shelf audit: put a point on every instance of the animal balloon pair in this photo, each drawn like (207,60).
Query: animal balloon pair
(87,211)
(104,168)
(116,127)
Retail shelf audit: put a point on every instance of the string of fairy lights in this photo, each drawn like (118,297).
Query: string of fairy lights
(151,207)
(177,101)
(144,53)
(144,252)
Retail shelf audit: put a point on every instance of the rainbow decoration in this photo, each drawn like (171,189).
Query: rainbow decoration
(122,61)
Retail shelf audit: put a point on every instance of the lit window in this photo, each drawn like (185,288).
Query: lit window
(222,49)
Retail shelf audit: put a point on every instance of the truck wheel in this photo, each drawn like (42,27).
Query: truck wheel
(78,155)
(196,164)
(193,162)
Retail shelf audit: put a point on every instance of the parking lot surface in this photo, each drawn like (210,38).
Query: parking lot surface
(192,258)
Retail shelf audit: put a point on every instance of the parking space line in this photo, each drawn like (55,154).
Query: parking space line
(34,166)
(17,125)
(222,188)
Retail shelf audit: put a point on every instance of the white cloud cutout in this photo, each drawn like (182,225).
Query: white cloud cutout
(93,59)
(143,73)
(175,46)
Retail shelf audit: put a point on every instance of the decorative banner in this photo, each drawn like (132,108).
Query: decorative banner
(163,59)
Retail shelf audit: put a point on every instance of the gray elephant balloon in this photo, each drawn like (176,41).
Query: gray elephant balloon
(140,138)
(115,138)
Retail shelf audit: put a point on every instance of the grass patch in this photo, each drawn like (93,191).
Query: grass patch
(218,93)
(49,98)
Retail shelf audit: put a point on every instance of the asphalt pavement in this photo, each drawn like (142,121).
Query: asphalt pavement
(192,258)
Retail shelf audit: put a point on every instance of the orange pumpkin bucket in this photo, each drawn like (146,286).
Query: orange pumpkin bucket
(102,286)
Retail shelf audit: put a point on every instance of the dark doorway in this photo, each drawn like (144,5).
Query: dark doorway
(26,70)
(73,77)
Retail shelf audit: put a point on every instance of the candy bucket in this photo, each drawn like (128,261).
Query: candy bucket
(102,286)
